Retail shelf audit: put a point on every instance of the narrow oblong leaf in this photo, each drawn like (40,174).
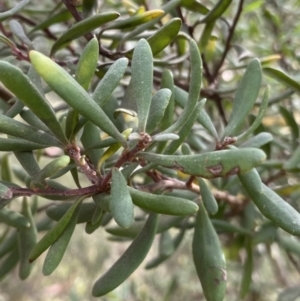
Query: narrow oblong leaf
(195,6)
(83,27)
(216,11)
(19,84)
(14,145)
(208,198)
(194,90)
(245,97)
(27,239)
(159,103)
(87,63)
(208,257)
(13,218)
(54,233)
(18,7)
(5,192)
(15,128)
(67,88)
(121,206)
(110,81)
(50,169)
(282,78)
(293,161)
(271,204)
(9,262)
(259,117)
(9,243)
(129,261)
(290,121)
(17,29)
(165,137)
(163,204)
(258,140)
(212,164)
(142,81)
(58,248)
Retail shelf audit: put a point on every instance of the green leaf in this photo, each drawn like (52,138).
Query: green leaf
(56,212)
(50,170)
(208,257)
(69,90)
(27,239)
(7,14)
(245,98)
(282,78)
(142,81)
(12,145)
(135,20)
(194,6)
(58,248)
(5,192)
(293,161)
(271,204)
(159,103)
(17,29)
(15,128)
(258,141)
(9,262)
(28,162)
(203,118)
(83,27)
(62,16)
(259,117)
(194,90)
(163,204)
(212,164)
(110,81)
(121,206)
(9,243)
(207,197)
(290,121)
(87,63)
(129,261)
(19,84)
(165,137)
(217,11)
(54,233)
(13,218)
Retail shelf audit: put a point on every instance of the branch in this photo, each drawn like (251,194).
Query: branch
(229,38)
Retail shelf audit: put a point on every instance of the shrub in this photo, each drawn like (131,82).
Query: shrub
(157,137)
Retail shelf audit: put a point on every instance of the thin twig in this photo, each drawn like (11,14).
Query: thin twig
(229,38)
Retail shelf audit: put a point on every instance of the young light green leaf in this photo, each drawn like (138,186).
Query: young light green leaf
(58,248)
(16,8)
(163,204)
(212,164)
(194,90)
(83,27)
(245,97)
(282,78)
(129,261)
(15,128)
(87,63)
(208,257)
(135,20)
(207,197)
(19,84)
(67,88)
(13,218)
(121,206)
(27,239)
(159,103)
(110,81)
(54,233)
(142,81)
(217,11)
(271,204)
(259,117)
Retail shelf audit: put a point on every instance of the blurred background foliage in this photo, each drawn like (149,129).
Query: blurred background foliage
(267,30)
